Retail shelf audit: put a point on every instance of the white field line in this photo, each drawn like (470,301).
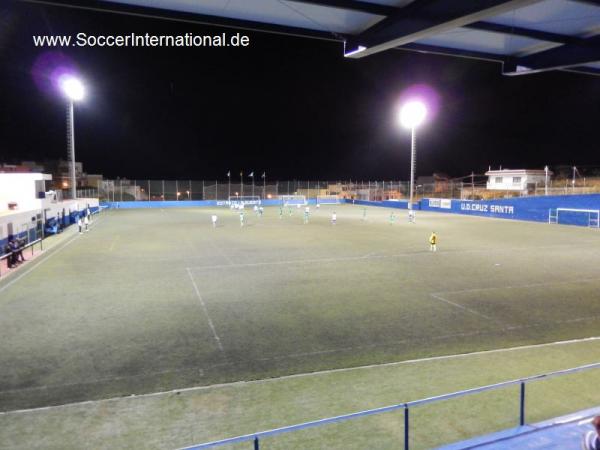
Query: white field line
(322,352)
(53,251)
(369,256)
(472,311)
(296,355)
(520,286)
(309,374)
(114,241)
(210,322)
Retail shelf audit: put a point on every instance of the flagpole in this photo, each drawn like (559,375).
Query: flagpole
(229,185)
(264,185)
(242,183)
(252,183)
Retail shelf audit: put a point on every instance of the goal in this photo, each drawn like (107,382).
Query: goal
(293,199)
(244,200)
(328,200)
(573,216)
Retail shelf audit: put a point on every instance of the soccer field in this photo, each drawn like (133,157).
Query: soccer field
(152,300)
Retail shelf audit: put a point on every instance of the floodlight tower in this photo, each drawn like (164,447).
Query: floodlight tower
(412,114)
(72,89)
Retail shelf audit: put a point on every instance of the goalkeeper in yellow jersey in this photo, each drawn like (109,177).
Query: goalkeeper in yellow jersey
(433,242)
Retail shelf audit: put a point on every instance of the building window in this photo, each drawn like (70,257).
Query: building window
(498,180)
(516,180)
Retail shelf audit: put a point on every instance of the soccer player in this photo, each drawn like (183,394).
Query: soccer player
(281,212)
(392,218)
(241,218)
(290,210)
(318,205)
(260,211)
(79,224)
(86,222)
(256,210)
(411,216)
(333,218)
(433,242)
(214,220)
(306,214)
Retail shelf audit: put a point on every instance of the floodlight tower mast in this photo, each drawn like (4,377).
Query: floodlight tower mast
(412,115)
(74,91)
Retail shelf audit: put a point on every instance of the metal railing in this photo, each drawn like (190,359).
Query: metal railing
(256,438)
(29,245)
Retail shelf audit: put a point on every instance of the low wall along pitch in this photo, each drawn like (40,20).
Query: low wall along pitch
(581,210)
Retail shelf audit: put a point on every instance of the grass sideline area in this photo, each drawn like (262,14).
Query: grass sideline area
(182,418)
(154,300)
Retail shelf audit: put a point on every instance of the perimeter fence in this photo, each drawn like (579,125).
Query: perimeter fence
(123,190)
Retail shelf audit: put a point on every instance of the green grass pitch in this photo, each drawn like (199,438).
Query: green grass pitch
(153,300)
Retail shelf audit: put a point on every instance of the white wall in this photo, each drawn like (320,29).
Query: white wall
(19,188)
(508,185)
(14,222)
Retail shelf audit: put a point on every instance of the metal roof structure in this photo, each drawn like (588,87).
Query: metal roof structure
(526,36)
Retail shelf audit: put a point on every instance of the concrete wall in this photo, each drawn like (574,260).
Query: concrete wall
(522,208)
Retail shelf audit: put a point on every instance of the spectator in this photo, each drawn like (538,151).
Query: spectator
(591,440)
(8,251)
(13,250)
(20,246)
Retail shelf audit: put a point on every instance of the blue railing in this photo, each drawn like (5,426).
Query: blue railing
(255,438)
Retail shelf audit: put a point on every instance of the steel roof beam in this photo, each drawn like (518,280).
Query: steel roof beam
(187,17)
(562,57)
(425,18)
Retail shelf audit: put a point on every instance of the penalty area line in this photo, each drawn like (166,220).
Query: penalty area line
(457,305)
(205,309)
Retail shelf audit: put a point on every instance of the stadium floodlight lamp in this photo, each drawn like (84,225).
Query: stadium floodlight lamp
(413,114)
(73,88)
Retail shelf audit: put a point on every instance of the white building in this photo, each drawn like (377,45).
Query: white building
(523,180)
(26,202)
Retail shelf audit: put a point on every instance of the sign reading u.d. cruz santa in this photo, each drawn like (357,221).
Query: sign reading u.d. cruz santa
(486,208)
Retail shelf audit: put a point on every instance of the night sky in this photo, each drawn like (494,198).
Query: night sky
(293,107)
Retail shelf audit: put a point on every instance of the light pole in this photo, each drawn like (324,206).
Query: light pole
(412,115)
(72,89)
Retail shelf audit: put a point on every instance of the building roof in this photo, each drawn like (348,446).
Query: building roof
(525,36)
(493,173)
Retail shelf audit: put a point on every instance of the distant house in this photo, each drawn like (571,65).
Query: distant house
(438,182)
(522,180)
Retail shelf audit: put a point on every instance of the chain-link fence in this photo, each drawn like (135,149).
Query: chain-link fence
(123,190)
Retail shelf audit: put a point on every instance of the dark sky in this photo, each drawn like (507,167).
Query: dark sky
(291,106)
